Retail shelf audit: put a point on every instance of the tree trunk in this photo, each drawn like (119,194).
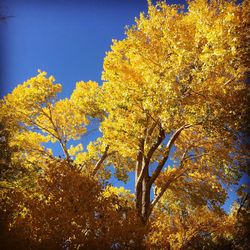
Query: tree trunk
(142,192)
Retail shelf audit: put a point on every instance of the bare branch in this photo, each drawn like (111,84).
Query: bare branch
(98,164)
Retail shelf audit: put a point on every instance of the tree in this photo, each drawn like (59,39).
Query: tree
(172,109)
(169,91)
(189,229)
(69,207)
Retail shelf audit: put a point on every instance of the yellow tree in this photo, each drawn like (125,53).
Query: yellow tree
(176,86)
(171,109)
(69,207)
(182,220)
(56,193)
(189,229)
(33,116)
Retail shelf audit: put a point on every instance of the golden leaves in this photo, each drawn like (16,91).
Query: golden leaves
(87,96)
(33,106)
(173,68)
(27,98)
(74,150)
(182,229)
(162,71)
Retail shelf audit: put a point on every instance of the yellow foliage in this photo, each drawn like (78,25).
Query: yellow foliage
(174,93)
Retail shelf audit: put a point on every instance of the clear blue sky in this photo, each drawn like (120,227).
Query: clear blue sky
(66,38)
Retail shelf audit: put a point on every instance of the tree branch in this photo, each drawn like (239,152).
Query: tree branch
(167,184)
(138,185)
(140,167)
(242,203)
(150,131)
(174,177)
(151,151)
(168,148)
(98,164)
(63,142)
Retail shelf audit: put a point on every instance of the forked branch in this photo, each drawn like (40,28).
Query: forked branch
(167,151)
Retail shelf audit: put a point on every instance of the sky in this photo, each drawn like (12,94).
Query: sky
(66,38)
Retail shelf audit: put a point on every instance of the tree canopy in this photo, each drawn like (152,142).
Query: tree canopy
(172,109)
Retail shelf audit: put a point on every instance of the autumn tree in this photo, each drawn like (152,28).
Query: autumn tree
(70,208)
(175,87)
(172,110)
(57,192)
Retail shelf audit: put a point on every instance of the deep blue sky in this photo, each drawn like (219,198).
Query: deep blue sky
(66,38)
